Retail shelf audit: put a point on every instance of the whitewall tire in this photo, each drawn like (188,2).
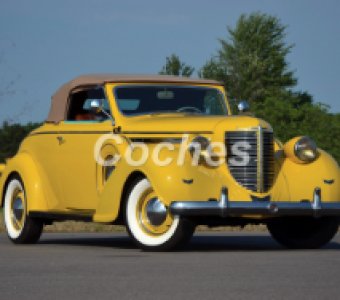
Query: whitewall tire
(154,233)
(21,229)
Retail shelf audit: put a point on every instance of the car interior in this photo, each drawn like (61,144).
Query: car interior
(80,105)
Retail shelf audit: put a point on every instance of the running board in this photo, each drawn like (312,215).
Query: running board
(60,216)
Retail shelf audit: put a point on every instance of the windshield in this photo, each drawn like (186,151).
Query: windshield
(139,100)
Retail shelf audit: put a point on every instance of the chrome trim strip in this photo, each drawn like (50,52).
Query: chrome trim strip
(224,207)
(278,143)
(260,158)
(166,132)
(128,141)
(70,132)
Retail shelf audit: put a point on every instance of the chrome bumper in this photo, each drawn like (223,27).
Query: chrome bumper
(224,207)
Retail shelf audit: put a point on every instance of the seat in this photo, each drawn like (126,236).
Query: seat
(84,117)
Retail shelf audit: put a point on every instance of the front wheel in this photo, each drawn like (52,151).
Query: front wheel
(303,232)
(149,222)
(21,228)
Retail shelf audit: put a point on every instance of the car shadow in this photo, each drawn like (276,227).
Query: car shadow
(123,242)
(242,243)
(198,243)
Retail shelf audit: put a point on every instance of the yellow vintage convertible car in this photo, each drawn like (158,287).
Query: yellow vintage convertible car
(161,155)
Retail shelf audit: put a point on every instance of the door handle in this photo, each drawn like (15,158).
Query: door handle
(60,139)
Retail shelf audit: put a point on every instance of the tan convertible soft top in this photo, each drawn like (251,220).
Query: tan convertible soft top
(60,98)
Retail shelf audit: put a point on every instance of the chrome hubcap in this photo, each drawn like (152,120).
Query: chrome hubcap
(152,215)
(156,212)
(17,212)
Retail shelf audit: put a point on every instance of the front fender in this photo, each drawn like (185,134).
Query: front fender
(304,178)
(24,165)
(171,183)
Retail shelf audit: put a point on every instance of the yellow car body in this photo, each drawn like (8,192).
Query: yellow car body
(62,179)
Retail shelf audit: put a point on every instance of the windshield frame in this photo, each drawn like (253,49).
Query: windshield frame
(169,86)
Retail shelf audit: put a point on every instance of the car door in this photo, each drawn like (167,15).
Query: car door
(78,167)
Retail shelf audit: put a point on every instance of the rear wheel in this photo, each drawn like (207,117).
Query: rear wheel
(21,228)
(149,222)
(303,232)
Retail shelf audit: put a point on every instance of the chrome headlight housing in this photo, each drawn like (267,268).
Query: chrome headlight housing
(199,149)
(305,149)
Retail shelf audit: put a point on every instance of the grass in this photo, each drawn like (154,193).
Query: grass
(73,226)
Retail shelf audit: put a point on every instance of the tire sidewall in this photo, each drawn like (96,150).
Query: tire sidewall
(14,183)
(138,234)
(321,235)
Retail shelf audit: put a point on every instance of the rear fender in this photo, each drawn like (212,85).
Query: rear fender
(23,165)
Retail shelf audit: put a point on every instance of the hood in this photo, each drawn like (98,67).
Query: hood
(236,123)
(192,123)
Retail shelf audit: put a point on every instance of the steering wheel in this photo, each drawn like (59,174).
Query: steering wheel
(189,108)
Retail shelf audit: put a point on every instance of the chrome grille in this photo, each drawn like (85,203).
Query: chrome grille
(257,175)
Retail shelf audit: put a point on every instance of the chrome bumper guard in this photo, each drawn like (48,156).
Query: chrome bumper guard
(224,207)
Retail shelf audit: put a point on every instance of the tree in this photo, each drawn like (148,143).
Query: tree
(302,98)
(247,86)
(174,66)
(11,136)
(252,61)
(305,119)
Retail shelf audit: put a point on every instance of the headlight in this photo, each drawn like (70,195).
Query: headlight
(305,149)
(198,149)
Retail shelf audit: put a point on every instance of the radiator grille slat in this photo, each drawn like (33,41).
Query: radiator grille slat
(258,174)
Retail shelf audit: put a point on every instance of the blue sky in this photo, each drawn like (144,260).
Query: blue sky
(47,43)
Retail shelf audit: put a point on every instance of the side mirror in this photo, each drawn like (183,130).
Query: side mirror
(97,105)
(243,107)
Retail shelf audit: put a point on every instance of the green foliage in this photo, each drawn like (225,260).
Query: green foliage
(11,136)
(252,60)
(294,118)
(253,67)
(174,66)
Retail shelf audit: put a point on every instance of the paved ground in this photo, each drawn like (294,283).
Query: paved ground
(221,265)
